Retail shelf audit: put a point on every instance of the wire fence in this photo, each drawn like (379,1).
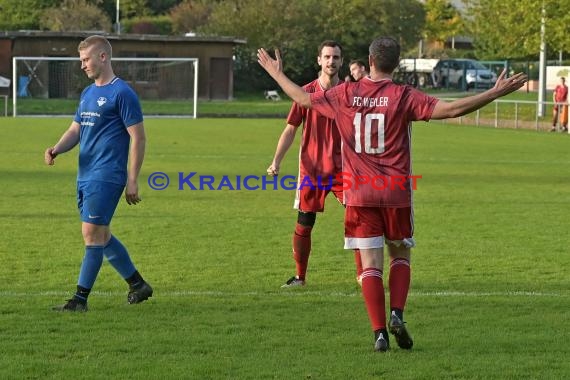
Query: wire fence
(516,114)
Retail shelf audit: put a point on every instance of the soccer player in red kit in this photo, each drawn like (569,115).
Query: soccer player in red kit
(560,109)
(374,119)
(319,160)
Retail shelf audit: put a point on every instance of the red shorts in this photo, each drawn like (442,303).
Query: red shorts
(310,199)
(366,227)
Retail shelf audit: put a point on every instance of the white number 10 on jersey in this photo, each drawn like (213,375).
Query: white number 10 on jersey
(368,125)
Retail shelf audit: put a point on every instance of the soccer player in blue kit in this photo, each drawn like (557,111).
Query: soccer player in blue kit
(108,119)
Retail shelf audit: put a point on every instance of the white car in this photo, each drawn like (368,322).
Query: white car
(464,74)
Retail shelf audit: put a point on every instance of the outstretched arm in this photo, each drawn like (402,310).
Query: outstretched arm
(460,107)
(285,141)
(69,139)
(274,67)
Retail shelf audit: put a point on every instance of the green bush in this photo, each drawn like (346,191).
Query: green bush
(148,25)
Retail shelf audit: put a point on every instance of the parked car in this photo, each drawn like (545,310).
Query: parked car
(463,74)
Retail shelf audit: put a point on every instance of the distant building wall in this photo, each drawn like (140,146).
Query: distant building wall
(215,55)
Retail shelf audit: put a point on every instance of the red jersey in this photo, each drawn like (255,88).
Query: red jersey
(560,93)
(374,119)
(320,152)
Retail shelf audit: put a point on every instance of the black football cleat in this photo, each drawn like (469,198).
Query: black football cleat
(293,282)
(398,329)
(381,341)
(140,293)
(72,305)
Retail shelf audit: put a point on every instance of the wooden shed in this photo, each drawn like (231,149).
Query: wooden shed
(215,54)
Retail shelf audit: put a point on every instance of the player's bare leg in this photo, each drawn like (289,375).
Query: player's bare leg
(358,264)
(555,115)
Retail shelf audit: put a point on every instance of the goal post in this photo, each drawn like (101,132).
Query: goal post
(51,86)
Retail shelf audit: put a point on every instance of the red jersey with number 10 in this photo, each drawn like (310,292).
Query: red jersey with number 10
(374,120)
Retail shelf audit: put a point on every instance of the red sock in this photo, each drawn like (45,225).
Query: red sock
(302,249)
(373,292)
(358,262)
(399,283)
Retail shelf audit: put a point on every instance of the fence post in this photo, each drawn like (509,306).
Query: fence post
(536,118)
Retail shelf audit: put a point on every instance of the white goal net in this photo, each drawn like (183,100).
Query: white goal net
(52,85)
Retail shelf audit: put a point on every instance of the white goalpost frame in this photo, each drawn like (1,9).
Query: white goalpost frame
(40,58)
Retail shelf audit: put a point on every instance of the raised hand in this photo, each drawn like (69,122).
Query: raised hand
(507,85)
(272,66)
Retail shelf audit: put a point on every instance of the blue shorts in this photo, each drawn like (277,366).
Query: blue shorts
(97,201)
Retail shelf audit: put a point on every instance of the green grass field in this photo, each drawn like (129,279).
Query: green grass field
(255,105)
(490,290)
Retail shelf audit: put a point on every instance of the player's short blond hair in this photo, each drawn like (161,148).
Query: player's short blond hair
(99,41)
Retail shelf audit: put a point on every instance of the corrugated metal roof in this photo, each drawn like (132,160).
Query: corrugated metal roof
(126,37)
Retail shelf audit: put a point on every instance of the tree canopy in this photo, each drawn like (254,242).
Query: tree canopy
(75,15)
(298,27)
(510,29)
(23,14)
(442,21)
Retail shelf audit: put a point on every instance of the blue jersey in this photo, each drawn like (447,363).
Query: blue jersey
(105,113)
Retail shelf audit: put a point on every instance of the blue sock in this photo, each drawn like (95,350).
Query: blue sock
(90,266)
(119,258)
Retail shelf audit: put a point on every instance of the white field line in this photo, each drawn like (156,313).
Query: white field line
(287,293)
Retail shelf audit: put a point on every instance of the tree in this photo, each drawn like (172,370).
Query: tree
(557,21)
(75,15)
(297,27)
(135,8)
(153,7)
(22,14)
(189,15)
(162,7)
(516,33)
(442,21)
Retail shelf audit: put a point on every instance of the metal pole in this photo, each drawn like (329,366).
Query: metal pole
(196,88)
(117,19)
(14,86)
(542,66)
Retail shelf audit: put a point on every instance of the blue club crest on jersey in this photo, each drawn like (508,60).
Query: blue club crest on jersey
(102,100)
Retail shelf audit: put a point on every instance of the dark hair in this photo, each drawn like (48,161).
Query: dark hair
(385,52)
(329,43)
(358,62)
